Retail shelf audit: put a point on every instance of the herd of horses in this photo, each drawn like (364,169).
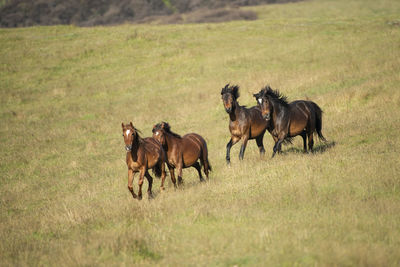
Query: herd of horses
(273,113)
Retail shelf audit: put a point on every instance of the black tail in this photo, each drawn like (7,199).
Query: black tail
(157,169)
(204,156)
(318,121)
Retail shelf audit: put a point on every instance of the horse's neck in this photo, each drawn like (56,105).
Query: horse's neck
(170,140)
(279,109)
(235,114)
(135,149)
(280,113)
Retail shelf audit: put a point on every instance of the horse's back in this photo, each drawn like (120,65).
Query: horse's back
(151,142)
(193,146)
(302,116)
(194,140)
(153,148)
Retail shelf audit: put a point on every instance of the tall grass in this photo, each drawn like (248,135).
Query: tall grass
(65,91)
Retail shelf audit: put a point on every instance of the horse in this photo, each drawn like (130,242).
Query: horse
(142,154)
(182,151)
(244,123)
(300,117)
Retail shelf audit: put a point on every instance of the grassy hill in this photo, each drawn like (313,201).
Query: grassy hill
(64,92)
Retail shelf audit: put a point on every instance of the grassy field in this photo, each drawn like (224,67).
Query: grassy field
(64,92)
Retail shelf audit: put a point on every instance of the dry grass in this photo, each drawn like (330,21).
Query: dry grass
(65,90)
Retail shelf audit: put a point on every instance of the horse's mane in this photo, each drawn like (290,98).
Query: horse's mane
(138,133)
(275,95)
(232,89)
(165,126)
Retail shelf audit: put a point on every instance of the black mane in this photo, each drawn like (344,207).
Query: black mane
(274,95)
(231,89)
(165,126)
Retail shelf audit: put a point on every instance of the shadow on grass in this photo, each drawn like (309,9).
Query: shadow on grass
(318,149)
(169,187)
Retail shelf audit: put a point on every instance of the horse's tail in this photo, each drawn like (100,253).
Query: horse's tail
(318,121)
(204,157)
(157,169)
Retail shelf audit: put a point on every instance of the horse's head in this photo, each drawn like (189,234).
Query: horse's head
(159,132)
(229,96)
(264,103)
(129,132)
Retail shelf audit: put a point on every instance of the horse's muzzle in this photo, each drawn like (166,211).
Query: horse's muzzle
(128,148)
(266,116)
(228,110)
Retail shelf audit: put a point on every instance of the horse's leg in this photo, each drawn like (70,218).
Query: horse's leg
(275,140)
(278,144)
(150,180)
(130,181)
(140,182)
(245,138)
(180,180)
(179,168)
(277,147)
(197,166)
(310,141)
(228,149)
(163,174)
(172,173)
(304,135)
(260,145)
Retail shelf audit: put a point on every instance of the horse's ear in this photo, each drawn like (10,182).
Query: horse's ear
(122,125)
(225,88)
(235,91)
(130,123)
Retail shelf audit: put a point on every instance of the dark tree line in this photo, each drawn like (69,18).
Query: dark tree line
(18,13)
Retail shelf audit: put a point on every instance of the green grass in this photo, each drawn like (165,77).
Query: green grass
(64,92)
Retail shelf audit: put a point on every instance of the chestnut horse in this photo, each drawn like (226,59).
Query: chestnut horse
(244,123)
(182,152)
(288,120)
(142,154)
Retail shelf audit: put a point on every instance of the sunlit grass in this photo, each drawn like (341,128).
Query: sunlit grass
(65,91)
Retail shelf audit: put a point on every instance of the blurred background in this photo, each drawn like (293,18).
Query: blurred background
(22,13)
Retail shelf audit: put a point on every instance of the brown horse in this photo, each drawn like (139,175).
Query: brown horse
(182,152)
(142,154)
(244,123)
(288,120)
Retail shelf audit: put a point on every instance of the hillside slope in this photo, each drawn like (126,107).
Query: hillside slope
(23,13)
(65,90)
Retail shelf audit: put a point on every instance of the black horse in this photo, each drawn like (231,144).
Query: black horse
(288,120)
(244,123)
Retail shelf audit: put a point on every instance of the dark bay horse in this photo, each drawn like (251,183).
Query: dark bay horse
(182,152)
(142,154)
(288,120)
(244,123)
